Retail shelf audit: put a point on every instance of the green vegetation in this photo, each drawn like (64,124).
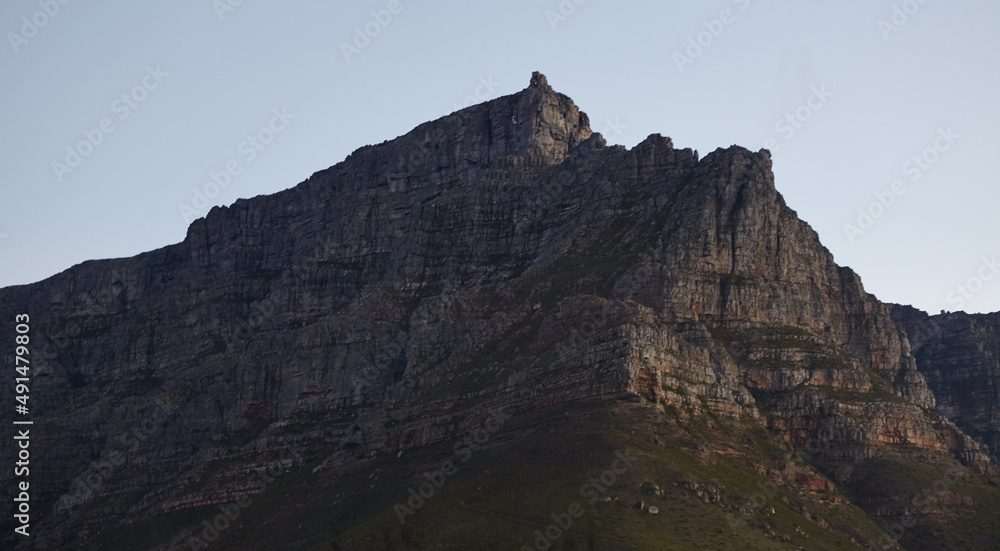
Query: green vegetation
(534,468)
(704,476)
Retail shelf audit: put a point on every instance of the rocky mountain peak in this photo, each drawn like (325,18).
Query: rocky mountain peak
(534,127)
(538,80)
(545,123)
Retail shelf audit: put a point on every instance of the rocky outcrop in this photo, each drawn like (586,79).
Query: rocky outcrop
(493,262)
(959,355)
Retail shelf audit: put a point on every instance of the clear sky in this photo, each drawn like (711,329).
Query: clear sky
(886,106)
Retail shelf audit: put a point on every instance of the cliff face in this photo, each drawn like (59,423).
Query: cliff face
(489,264)
(959,355)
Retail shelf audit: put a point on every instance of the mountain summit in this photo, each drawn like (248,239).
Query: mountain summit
(498,332)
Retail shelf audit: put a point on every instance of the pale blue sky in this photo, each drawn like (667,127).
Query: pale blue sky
(887,95)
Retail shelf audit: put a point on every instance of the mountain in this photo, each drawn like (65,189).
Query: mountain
(498,332)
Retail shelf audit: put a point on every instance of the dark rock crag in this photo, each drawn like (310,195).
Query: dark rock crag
(959,355)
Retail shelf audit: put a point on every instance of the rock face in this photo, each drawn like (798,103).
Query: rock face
(959,355)
(494,262)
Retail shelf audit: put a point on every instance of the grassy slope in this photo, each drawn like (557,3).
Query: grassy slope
(712,494)
(534,467)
